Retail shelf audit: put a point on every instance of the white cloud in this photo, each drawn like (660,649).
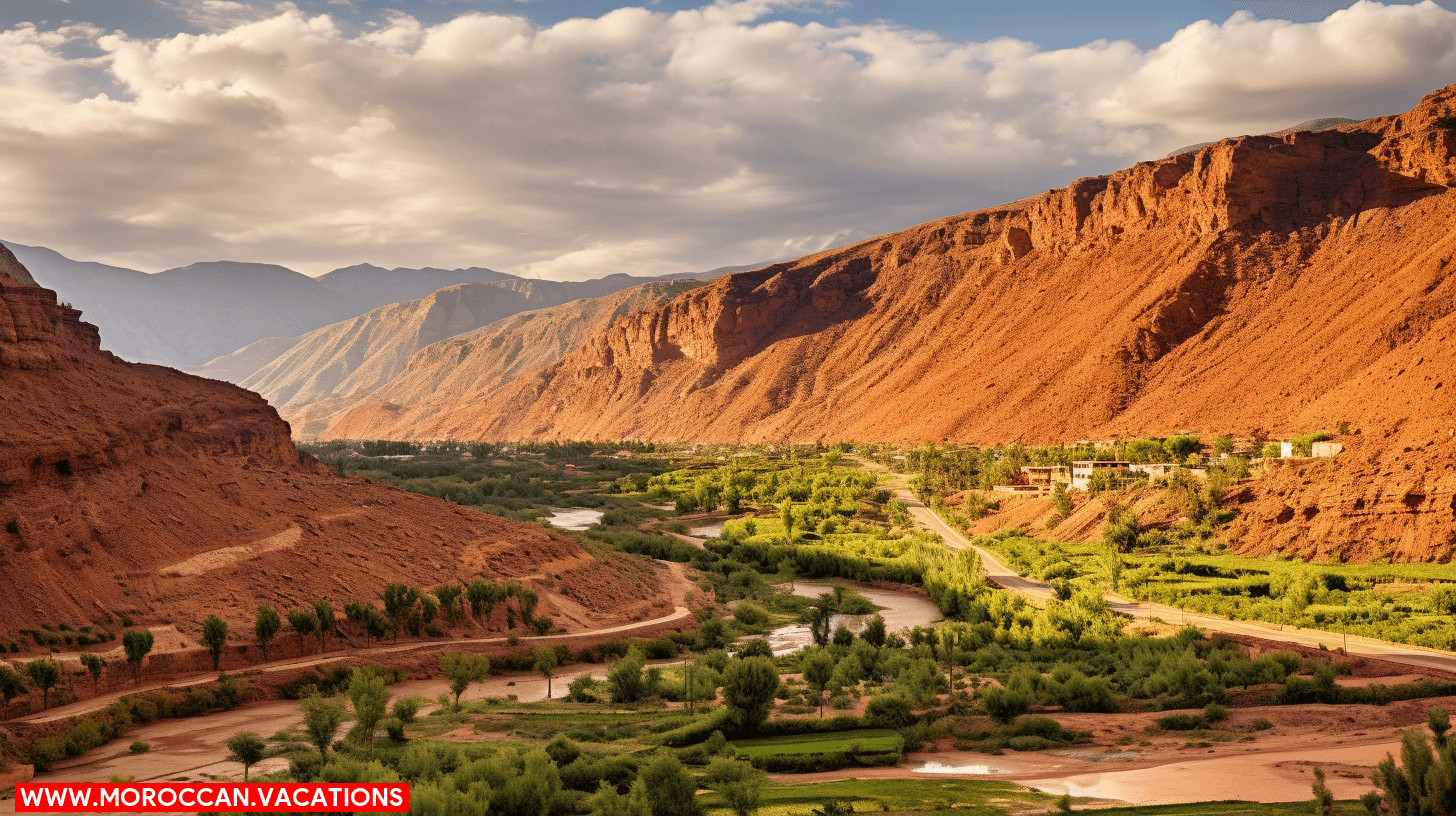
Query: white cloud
(637,141)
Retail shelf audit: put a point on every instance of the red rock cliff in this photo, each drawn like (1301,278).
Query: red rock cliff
(136,487)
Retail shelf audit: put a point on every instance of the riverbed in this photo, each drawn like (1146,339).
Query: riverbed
(573,518)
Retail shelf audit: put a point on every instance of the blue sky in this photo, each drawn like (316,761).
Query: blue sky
(1050,23)
(588,139)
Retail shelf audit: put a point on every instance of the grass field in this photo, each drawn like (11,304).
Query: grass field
(866,740)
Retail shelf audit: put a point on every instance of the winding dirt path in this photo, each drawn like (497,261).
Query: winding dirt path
(104,700)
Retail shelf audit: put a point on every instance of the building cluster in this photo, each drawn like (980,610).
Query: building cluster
(1040,480)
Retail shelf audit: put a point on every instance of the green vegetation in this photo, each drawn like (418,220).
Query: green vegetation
(872,739)
(1405,603)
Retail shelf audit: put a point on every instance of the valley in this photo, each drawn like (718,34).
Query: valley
(844,530)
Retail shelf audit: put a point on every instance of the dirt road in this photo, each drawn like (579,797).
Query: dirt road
(104,700)
(1040,592)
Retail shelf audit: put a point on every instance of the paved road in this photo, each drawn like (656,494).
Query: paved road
(1040,592)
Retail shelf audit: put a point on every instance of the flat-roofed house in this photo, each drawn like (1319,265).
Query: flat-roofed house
(1046,475)
(1082,471)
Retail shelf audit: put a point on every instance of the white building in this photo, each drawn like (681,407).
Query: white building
(1082,471)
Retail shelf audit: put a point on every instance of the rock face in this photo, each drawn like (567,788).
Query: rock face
(135,487)
(1277,283)
(332,368)
(442,385)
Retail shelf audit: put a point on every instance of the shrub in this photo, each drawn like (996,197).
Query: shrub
(1182,722)
(140,747)
(1004,704)
(1215,713)
(889,711)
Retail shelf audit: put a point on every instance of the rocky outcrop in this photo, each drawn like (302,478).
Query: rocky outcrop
(129,487)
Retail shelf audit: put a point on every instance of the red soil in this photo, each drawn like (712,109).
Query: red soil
(136,487)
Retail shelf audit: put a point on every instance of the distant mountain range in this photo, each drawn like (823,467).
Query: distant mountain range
(311,378)
(188,316)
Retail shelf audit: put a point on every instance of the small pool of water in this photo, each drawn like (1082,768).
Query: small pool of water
(713,530)
(900,610)
(940,768)
(574,518)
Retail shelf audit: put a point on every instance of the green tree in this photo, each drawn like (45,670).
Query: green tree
(739,783)
(45,674)
(370,696)
(624,681)
(607,802)
(748,690)
(843,637)
(1439,722)
(483,597)
(786,515)
(1124,535)
(449,597)
(304,622)
(399,604)
(874,632)
(1224,444)
(321,718)
(546,665)
(462,670)
(265,628)
(818,668)
(671,790)
(1005,704)
(94,663)
(12,685)
(214,637)
(137,643)
(246,748)
(324,612)
(820,616)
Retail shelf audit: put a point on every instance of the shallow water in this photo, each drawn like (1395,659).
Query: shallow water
(959,770)
(574,518)
(707,531)
(900,611)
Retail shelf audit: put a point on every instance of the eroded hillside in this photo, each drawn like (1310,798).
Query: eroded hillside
(135,487)
(1277,283)
(443,384)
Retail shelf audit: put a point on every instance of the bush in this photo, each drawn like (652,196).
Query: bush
(1182,722)
(1004,704)
(140,747)
(889,711)
(1215,713)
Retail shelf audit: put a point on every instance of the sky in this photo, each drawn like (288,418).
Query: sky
(572,139)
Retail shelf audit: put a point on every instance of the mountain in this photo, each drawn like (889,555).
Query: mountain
(442,383)
(187,316)
(1272,284)
(329,368)
(1312,124)
(130,487)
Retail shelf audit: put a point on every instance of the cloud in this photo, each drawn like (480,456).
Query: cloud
(638,141)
